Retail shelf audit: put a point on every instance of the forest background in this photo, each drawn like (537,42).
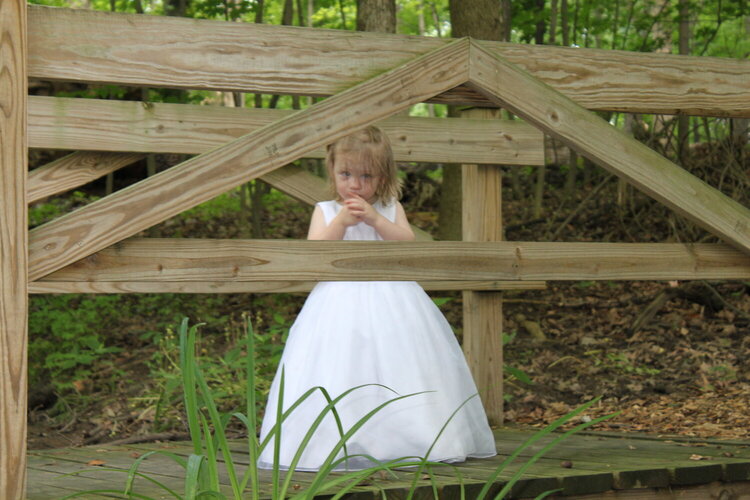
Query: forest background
(669,355)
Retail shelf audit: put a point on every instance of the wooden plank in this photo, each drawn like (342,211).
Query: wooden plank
(700,492)
(483,311)
(249,286)
(135,49)
(74,170)
(182,260)
(13,249)
(609,147)
(168,193)
(105,125)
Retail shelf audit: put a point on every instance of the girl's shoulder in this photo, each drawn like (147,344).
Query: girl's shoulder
(329,208)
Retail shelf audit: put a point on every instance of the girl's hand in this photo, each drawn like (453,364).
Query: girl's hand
(363,211)
(346,216)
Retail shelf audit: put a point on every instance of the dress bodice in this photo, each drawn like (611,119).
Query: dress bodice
(361,231)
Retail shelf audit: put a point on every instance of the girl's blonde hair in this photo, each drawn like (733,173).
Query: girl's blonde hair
(371,149)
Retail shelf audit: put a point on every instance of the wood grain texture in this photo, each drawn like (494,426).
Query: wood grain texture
(103,125)
(74,170)
(57,287)
(609,147)
(483,311)
(176,259)
(128,211)
(171,52)
(13,249)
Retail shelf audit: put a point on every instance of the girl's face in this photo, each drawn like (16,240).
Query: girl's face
(352,179)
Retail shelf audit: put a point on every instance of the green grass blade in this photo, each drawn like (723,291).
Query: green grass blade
(547,493)
(544,450)
(330,406)
(124,492)
(111,492)
(434,442)
(187,365)
(133,471)
(192,476)
(325,469)
(218,423)
(211,462)
(354,478)
(533,439)
(251,421)
(277,437)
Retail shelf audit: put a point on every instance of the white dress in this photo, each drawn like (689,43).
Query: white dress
(383,332)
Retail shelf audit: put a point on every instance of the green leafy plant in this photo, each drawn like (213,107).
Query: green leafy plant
(207,427)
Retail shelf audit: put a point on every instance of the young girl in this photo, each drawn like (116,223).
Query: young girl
(385,333)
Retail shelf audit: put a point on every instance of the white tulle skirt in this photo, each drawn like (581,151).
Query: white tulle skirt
(389,333)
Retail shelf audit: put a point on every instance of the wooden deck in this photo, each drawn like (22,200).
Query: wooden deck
(591,465)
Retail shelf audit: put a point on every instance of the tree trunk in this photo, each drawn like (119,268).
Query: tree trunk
(506,18)
(683,121)
(376,15)
(541,26)
(476,18)
(553,22)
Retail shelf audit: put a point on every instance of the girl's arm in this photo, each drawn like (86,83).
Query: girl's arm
(333,231)
(399,230)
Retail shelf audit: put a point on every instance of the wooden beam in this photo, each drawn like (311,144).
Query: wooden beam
(133,49)
(176,259)
(74,170)
(249,286)
(481,202)
(13,249)
(593,137)
(104,125)
(128,211)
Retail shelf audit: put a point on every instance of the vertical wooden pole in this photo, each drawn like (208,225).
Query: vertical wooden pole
(483,311)
(13,249)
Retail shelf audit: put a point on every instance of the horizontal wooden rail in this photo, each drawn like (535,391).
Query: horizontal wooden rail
(131,49)
(177,260)
(58,287)
(101,125)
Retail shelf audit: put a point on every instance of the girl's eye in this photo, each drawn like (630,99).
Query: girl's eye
(345,174)
(367,177)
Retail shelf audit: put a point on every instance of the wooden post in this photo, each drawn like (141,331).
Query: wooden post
(13,249)
(483,320)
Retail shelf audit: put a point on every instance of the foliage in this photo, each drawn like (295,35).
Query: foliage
(67,339)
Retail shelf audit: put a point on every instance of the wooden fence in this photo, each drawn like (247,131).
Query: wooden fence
(369,78)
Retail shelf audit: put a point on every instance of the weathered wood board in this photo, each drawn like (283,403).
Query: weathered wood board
(105,125)
(249,286)
(73,170)
(13,249)
(180,259)
(151,51)
(604,466)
